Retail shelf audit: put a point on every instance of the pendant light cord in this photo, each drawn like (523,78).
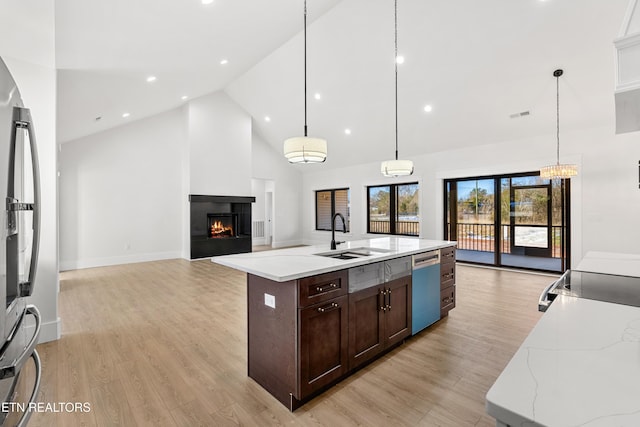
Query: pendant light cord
(305,68)
(395,61)
(558,119)
(557,73)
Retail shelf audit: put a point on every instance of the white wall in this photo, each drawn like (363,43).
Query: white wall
(121,193)
(220,147)
(124,192)
(356,178)
(605,195)
(31,60)
(287,192)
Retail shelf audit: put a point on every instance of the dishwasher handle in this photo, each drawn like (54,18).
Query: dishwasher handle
(426,259)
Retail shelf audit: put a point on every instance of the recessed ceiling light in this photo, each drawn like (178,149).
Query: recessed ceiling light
(400,59)
(151,79)
(224,62)
(267,118)
(428,108)
(317,95)
(125,115)
(207,1)
(183,97)
(347,131)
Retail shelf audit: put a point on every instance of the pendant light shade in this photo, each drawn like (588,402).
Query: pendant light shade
(396,167)
(558,171)
(304,149)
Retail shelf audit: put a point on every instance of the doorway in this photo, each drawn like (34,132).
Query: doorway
(517,220)
(263,226)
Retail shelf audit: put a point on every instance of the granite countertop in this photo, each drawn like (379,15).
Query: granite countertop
(282,265)
(579,366)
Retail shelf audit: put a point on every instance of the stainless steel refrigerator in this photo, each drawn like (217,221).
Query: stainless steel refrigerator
(19,242)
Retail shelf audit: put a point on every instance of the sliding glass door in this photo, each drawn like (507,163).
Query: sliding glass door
(509,220)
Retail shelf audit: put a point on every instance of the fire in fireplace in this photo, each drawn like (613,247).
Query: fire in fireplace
(222,225)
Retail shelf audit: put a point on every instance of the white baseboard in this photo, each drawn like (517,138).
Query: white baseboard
(116,260)
(49,331)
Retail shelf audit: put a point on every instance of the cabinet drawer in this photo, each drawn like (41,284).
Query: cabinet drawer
(447,275)
(448,255)
(323,287)
(447,300)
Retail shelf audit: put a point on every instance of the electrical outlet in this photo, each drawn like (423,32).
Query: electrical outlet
(270,300)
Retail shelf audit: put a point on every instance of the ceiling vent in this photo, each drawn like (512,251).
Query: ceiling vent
(520,114)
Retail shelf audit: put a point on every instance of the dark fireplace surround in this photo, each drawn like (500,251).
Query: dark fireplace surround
(220,225)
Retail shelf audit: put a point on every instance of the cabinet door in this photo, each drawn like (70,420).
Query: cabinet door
(323,344)
(366,335)
(397,317)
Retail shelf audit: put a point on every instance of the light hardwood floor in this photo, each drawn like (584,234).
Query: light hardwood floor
(164,344)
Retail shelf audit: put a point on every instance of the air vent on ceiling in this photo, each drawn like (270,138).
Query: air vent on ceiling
(520,114)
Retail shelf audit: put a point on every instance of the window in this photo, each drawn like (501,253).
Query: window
(393,209)
(328,203)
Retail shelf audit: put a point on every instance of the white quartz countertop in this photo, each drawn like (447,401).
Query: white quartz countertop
(580,366)
(611,263)
(282,265)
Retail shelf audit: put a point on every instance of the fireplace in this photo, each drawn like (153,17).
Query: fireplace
(220,225)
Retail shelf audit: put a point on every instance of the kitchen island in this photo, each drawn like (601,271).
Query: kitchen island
(580,365)
(316,315)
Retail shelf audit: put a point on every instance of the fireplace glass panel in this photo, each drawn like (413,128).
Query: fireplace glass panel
(221,226)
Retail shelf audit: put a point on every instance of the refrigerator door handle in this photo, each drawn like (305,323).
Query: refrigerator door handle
(16,364)
(26,415)
(30,348)
(22,120)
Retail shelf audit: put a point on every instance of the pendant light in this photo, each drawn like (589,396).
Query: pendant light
(396,167)
(305,149)
(558,171)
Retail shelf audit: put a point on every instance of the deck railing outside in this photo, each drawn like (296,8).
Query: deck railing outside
(410,228)
(481,237)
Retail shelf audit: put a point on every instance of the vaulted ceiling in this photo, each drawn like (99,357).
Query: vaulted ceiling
(475,63)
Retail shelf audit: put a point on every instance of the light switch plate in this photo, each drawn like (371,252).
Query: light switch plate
(270,300)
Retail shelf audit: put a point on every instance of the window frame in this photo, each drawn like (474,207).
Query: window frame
(450,210)
(393,202)
(333,207)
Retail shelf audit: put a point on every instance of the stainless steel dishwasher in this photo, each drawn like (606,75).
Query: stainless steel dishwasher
(425,290)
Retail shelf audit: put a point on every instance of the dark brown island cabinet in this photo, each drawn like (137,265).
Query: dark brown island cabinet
(447,280)
(305,335)
(379,318)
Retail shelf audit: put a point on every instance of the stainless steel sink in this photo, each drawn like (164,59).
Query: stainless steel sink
(352,253)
